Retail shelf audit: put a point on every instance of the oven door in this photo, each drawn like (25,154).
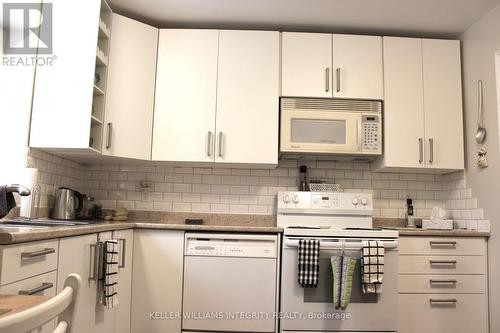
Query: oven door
(320,131)
(312,309)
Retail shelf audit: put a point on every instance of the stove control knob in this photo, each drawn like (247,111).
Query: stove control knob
(364,202)
(355,201)
(286,199)
(295,199)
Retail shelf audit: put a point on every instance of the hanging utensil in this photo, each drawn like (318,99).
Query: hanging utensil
(481,131)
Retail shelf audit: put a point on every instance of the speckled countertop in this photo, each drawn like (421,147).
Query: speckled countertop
(212,222)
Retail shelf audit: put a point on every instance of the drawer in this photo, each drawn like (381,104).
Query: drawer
(442,265)
(468,313)
(458,246)
(21,261)
(442,284)
(46,281)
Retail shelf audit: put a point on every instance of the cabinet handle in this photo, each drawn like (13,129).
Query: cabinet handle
(39,253)
(221,144)
(431,150)
(327,79)
(443,243)
(443,281)
(338,79)
(110,135)
(451,301)
(123,242)
(209,144)
(420,150)
(93,263)
(36,290)
(443,262)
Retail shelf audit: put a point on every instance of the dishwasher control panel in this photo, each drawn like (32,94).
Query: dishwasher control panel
(231,245)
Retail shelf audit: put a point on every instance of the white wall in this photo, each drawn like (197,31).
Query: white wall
(480,42)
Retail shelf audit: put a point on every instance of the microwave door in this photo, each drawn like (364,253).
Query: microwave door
(320,132)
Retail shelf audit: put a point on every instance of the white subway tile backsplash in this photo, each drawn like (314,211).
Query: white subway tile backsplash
(250,191)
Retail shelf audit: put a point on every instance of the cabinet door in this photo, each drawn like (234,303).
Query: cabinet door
(248,97)
(130,89)
(157,281)
(403,111)
(443,104)
(122,311)
(306,64)
(76,256)
(102,320)
(62,100)
(357,67)
(185,102)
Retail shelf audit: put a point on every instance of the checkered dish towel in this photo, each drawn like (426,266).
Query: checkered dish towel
(372,266)
(308,263)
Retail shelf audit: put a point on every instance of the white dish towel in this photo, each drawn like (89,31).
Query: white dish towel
(372,266)
(110,282)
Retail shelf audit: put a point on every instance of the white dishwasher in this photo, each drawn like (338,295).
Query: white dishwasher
(230,282)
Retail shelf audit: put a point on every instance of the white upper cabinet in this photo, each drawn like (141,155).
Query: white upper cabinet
(423,105)
(306,64)
(185,102)
(248,97)
(403,103)
(325,65)
(357,67)
(443,104)
(130,89)
(68,98)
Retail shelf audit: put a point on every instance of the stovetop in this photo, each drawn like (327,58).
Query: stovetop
(326,231)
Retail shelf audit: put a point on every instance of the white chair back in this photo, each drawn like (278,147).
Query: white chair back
(62,306)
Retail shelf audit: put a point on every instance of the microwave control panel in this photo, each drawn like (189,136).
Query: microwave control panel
(371,134)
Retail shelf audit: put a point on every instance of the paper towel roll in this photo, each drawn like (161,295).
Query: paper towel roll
(29,179)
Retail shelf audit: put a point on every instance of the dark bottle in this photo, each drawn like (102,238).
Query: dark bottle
(303,178)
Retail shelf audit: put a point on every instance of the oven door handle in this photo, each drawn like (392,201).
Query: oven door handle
(326,245)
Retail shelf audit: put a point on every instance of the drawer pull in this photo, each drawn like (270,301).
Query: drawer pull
(443,243)
(449,281)
(443,262)
(36,290)
(443,301)
(39,253)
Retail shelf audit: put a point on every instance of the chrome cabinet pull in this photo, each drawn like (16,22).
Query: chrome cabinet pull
(123,242)
(443,262)
(39,253)
(431,150)
(93,263)
(338,79)
(209,144)
(443,301)
(221,145)
(110,135)
(36,290)
(327,79)
(443,281)
(443,243)
(420,150)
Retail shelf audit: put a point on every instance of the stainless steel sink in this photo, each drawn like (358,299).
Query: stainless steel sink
(41,223)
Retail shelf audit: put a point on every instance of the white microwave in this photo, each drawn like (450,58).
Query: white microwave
(331,126)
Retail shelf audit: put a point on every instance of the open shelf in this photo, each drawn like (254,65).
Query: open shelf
(101,59)
(104,31)
(98,91)
(95,121)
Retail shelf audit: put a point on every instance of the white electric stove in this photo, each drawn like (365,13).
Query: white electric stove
(341,221)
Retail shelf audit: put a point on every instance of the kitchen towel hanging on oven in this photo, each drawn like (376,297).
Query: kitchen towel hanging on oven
(308,262)
(372,266)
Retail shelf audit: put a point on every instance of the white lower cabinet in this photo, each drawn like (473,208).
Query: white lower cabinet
(443,285)
(122,311)
(157,281)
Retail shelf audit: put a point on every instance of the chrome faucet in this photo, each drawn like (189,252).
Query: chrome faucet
(16,188)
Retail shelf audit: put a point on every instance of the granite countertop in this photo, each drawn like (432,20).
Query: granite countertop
(212,223)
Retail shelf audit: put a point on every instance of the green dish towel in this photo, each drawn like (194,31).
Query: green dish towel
(348,265)
(343,271)
(337,279)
